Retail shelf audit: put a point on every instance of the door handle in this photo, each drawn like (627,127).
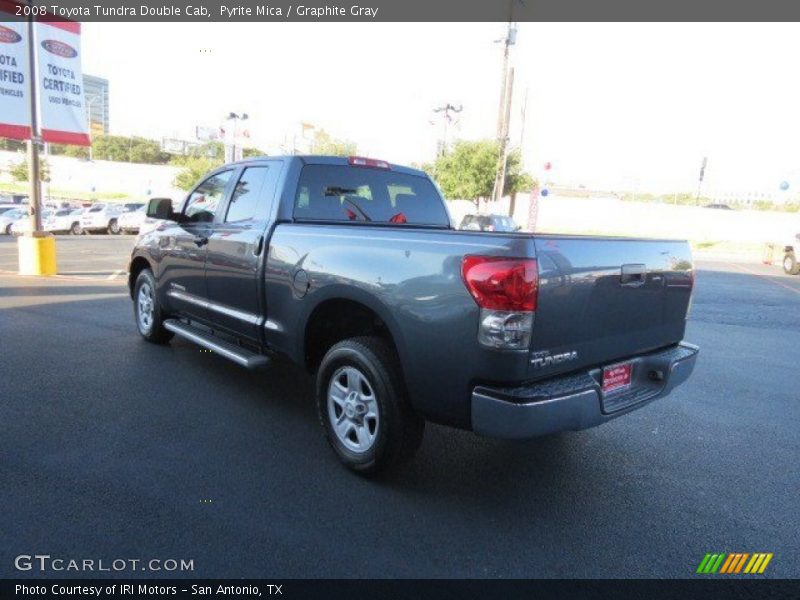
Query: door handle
(259,245)
(200,240)
(633,275)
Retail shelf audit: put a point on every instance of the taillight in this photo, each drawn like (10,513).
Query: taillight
(506,291)
(501,283)
(360,161)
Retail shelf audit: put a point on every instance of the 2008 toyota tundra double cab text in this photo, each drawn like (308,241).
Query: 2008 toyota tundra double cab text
(351,268)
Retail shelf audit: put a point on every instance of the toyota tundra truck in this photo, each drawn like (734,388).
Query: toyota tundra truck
(351,268)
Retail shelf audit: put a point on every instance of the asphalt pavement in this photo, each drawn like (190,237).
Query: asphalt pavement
(115,448)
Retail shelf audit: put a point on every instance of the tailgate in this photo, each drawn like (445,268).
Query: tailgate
(605,299)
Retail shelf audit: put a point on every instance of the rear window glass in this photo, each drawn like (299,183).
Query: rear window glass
(341,193)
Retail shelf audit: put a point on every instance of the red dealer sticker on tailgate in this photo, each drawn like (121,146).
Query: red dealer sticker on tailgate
(617,377)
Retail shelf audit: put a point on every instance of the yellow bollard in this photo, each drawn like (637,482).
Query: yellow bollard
(37,254)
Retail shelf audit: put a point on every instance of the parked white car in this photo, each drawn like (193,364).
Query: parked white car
(102,217)
(132,220)
(22,226)
(65,220)
(9,217)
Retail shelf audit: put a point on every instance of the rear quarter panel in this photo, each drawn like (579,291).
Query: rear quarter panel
(412,279)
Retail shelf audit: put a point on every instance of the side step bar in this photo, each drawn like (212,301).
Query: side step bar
(239,355)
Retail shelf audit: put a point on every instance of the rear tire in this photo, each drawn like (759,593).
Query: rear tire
(790,265)
(113,227)
(8,229)
(363,406)
(147,310)
(75,229)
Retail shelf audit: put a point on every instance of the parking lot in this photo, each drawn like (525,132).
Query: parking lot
(115,448)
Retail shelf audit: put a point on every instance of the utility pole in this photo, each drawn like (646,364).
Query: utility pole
(504,114)
(700,180)
(522,119)
(446,109)
(35,200)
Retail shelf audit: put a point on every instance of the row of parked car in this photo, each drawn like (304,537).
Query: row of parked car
(101,217)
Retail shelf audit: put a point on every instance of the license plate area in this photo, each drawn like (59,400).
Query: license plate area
(617,378)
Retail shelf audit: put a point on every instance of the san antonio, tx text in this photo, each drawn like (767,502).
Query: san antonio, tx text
(225,11)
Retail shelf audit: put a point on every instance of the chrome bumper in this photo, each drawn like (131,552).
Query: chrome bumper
(576,401)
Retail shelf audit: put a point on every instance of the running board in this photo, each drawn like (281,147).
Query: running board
(237,354)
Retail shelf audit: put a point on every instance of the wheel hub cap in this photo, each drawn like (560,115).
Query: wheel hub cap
(353,409)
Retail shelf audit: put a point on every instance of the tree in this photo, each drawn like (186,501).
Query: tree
(469,170)
(12,145)
(325,143)
(193,169)
(516,180)
(19,171)
(128,149)
(250,152)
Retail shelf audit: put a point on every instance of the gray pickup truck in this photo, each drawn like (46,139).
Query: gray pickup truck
(352,268)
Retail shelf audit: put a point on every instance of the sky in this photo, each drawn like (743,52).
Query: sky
(610,106)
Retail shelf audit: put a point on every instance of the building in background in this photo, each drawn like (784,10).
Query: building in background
(96,91)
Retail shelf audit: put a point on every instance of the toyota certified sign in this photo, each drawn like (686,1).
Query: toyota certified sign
(9,36)
(15,83)
(59,49)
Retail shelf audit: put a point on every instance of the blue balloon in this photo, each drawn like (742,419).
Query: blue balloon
(544,192)
(784,186)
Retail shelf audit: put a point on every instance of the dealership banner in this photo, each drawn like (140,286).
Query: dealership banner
(61,100)
(15,103)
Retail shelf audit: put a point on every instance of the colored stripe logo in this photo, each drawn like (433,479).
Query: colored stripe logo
(734,563)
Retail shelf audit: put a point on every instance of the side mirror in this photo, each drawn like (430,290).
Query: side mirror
(160,208)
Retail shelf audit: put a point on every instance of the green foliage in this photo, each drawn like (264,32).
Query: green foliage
(69,150)
(516,180)
(325,144)
(117,148)
(193,169)
(128,149)
(250,152)
(468,171)
(19,171)
(12,145)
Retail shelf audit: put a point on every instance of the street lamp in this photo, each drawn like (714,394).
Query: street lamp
(230,149)
(446,118)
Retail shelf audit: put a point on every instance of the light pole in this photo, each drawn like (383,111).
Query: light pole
(230,149)
(35,201)
(446,118)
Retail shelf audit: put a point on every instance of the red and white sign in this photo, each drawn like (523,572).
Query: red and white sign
(617,377)
(61,100)
(15,104)
(62,110)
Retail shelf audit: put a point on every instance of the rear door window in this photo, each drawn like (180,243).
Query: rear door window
(250,198)
(344,193)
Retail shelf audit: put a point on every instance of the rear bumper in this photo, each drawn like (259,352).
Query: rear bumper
(576,401)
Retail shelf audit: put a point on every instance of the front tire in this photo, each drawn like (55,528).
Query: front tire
(8,229)
(75,229)
(147,310)
(113,227)
(790,266)
(363,407)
